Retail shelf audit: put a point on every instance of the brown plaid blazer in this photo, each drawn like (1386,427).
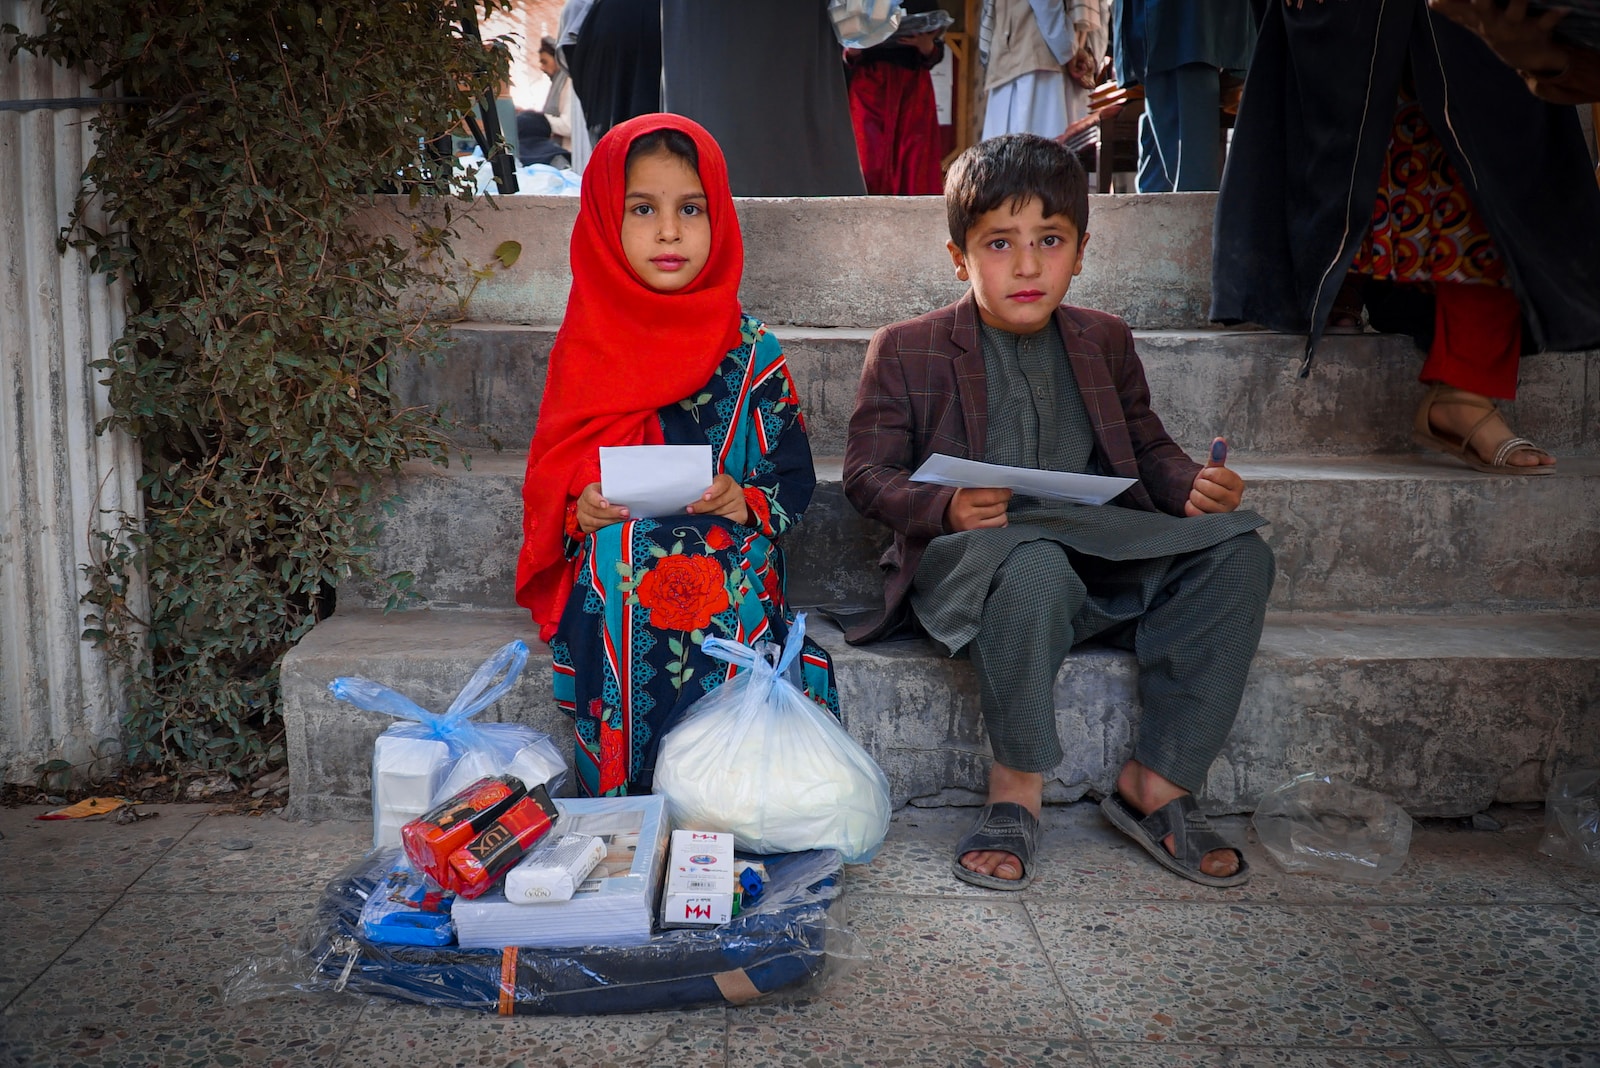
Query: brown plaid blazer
(923,391)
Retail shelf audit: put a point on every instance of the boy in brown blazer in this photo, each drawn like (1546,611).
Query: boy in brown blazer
(1169,569)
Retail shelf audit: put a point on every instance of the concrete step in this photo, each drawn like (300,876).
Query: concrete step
(1445,714)
(835,261)
(1245,385)
(1414,533)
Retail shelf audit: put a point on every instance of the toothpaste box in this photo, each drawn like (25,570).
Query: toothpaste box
(700,883)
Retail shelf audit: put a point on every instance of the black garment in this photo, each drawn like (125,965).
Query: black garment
(1308,151)
(534,144)
(767,79)
(616,63)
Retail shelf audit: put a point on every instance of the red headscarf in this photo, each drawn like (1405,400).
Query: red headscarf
(624,350)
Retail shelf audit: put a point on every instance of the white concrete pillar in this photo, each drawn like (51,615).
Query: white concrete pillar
(60,482)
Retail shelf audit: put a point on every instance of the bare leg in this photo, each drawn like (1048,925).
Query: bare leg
(1147,791)
(1025,788)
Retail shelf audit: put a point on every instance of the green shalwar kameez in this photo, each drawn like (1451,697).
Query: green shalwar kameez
(1186,595)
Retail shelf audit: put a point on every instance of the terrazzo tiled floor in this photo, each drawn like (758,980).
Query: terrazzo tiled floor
(1479,952)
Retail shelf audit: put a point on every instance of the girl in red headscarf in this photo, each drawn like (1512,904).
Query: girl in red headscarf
(655,349)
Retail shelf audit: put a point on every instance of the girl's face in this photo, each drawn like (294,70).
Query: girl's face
(666,233)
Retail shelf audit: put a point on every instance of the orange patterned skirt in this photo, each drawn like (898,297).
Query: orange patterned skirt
(1424,226)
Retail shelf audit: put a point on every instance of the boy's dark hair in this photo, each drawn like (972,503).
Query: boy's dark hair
(547,45)
(1015,167)
(675,142)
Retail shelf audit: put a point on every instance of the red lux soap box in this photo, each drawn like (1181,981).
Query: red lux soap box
(699,890)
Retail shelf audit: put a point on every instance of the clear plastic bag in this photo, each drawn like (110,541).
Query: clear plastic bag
(420,762)
(759,759)
(787,945)
(1572,817)
(1315,824)
(864,23)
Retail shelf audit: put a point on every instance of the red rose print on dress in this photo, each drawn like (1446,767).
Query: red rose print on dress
(613,758)
(718,538)
(684,592)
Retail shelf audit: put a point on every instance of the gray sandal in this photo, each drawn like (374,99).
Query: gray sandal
(1003,827)
(1192,837)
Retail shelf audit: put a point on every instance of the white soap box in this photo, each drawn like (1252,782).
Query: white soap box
(556,867)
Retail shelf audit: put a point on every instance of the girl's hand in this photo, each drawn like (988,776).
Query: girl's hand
(724,498)
(594,511)
(1216,487)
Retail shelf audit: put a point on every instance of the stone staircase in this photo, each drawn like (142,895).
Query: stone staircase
(1434,632)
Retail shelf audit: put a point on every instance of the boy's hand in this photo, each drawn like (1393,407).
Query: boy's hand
(970,509)
(1216,487)
(724,498)
(594,511)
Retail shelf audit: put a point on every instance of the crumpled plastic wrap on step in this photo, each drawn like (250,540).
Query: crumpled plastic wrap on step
(786,946)
(1572,817)
(1318,825)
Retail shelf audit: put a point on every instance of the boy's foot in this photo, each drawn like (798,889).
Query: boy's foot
(1018,787)
(1145,792)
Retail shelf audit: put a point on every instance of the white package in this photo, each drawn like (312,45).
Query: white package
(759,759)
(700,882)
(406,775)
(556,867)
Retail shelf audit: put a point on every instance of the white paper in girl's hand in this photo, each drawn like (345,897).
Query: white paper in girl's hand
(654,480)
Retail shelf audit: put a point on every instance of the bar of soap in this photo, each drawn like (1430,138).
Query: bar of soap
(554,870)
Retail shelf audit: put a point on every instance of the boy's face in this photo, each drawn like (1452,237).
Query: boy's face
(1020,263)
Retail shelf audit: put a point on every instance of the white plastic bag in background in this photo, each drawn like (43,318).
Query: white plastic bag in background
(864,23)
(759,759)
(417,764)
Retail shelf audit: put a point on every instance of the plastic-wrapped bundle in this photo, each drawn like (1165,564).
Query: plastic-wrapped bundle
(418,763)
(759,759)
(784,945)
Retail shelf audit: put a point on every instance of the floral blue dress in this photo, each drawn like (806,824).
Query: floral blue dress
(627,654)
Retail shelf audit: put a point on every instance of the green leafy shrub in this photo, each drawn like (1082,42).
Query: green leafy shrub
(262,326)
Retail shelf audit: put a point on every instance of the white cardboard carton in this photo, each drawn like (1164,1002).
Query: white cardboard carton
(699,890)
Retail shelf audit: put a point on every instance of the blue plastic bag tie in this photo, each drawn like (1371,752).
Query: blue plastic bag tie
(746,656)
(479,693)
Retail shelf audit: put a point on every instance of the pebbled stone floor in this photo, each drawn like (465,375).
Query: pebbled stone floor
(1479,952)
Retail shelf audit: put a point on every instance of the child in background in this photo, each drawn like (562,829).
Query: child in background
(1169,569)
(655,349)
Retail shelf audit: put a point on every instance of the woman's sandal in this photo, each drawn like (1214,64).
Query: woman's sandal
(1002,827)
(1192,837)
(1345,316)
(1423,433)
(1344,321)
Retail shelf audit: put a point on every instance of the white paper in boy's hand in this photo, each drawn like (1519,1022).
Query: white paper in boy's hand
(1055,485)
(654,480)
